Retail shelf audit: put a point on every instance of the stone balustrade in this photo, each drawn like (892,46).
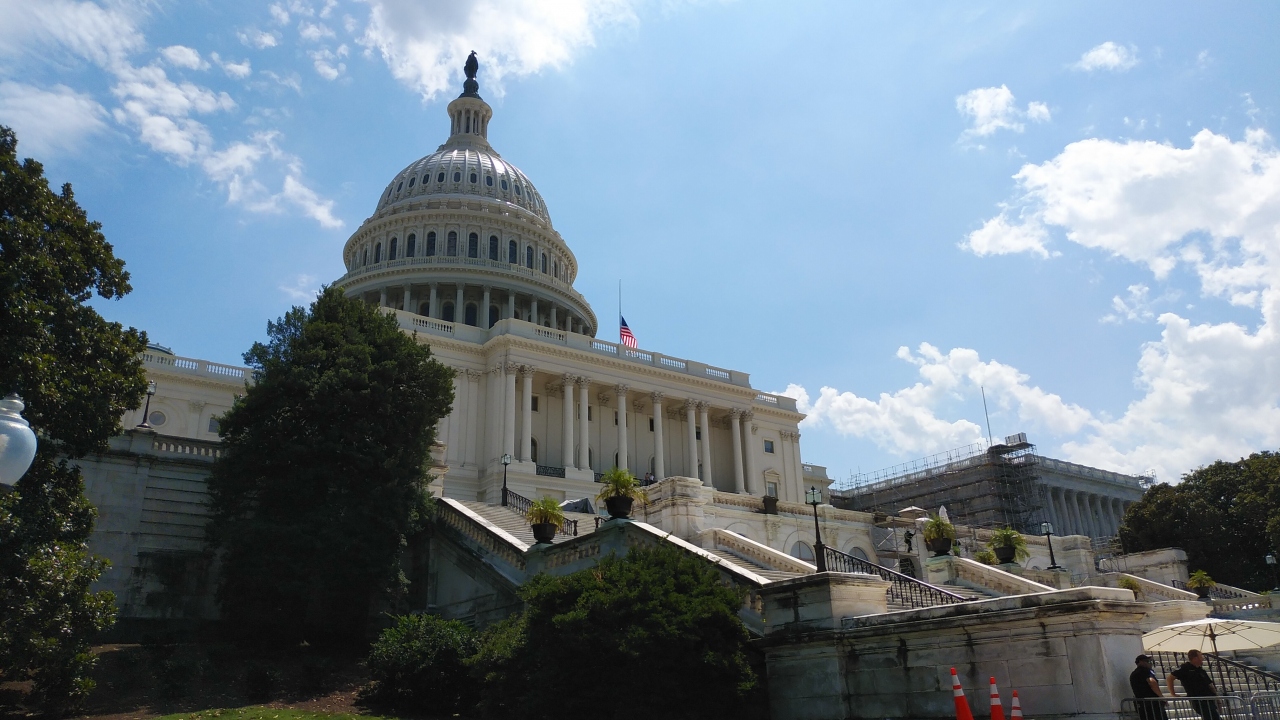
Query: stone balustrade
(945,569)
(193,366)
(482,532)
(752,550)
(1151,590)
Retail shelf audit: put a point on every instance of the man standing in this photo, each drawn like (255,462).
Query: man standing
(1145,687)
(1197,684)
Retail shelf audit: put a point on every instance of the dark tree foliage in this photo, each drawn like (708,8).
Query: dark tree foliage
(659,630)
(418,667)
(323,478)
(78,375)
(1226,516)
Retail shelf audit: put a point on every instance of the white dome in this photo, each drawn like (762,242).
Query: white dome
(464,168)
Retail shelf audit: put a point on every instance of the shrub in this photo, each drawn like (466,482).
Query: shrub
(986,557)
(418,666)
(546,510)
(936,527)
(1009,538)
(1200,580)
(617,482)
(1131,585)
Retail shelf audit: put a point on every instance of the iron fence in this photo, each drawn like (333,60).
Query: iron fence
(521,504)
(1225,707)
(903,589)
(1229,676)
(1218,593)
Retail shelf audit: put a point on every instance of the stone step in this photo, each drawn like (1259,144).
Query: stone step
(751,566)
(973,588)
(514,523)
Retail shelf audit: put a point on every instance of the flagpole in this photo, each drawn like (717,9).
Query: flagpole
(619,309)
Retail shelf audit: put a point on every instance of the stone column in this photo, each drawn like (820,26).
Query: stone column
(691,455)
(554,326)
(754,483)
(584,437)
(511,304)
(459,310)
(1068,521)
(1118,508)
(1054,518)
(526,413)
(735,431)
(1082,507)
(620,392)
(533,312)
(383,301)
(799,464)
(1099,517)
(705,422)
(509,428)
(408,298)
(433,307)
(659,460)
(567,411)
(484,309)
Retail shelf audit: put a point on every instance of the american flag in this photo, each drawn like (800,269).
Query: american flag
(624,333)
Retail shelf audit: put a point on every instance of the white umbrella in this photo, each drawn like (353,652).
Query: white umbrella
(1213,635)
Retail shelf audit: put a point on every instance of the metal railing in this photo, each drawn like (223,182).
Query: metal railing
(1214,592)
(903,589)
(1226,707)
(550,471)
(1230,677)
(521,504)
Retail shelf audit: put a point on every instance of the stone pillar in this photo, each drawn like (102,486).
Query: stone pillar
(1118,507)
(799,464)
(459,309)
(554,325)
(383,301)
(408,298)
(620,393)
(1082,507)
(533,312)
(511,304)
(484,309)
(567,411)
(1052,492)
(659,451)
(691,455)
(526,413)
(584,437)
(433,307)
(705,422)
(755,485)
(509,427)
(735,431)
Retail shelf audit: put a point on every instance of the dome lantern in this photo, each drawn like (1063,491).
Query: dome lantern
(469,114)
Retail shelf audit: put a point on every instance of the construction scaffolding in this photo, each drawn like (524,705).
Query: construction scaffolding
(981,485)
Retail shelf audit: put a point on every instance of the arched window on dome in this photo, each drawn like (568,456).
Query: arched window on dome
(494,314)
(399,186)
(488,180)
(503,184)
(446,312)
(377,253)
(513,252)
(364,259)
(474,178)
(391,252)
(440,177)
(411,245)
(457,176)
(470,315)
(425,309)
(431,243)
(473,246)
(493,248)
(544,263)
(451,246)
(802,550)
(412,180)
(528,257)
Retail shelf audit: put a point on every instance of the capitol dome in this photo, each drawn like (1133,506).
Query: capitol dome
(462,236)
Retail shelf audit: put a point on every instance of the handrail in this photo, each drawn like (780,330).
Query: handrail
(1215,592)
(521,504)
(903,589)
(491,537)
(1230,676)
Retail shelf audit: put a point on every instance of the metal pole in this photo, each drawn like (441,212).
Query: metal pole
(1053,563)
(504,484)
(818,548)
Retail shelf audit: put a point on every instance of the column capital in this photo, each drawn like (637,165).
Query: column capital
(528,370)
(656,397)
(620,390)
(703,406)
(689,404)
(734,413)
(567,380)
(510,368)
(638,405)
(473,373)
(583,382)
(748,416)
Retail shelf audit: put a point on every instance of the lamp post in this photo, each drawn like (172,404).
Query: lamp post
(814,497)
(17,441)
(146,410)
(506,460)
(1271,563)
(1046,529)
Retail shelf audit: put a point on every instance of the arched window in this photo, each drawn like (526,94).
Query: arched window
(493,247)
(412,180)
(504,183)
(431,243)
(859,553)
(411,245)
(425,309)
(493,316)
(440,177)
(470,315)
(457,176)
(474,178)
(451,246)
(377,253)
(533,450)
(544,263)
(446,312)
(556,264)
(513,252)
(802,550)
(473,246)
(528,257)
(391,255)
(400,185)
(488,180)
(591,454)
(364,259)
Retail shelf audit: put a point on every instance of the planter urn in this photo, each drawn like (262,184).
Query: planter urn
(618,506)
(1005,554)
(770,505)
(1202,592)
(543,533)
(940,546)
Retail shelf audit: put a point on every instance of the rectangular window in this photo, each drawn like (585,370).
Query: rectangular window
(768,446)
(213,425)
(771,489)
(697,434)
(590,414)
(650,424)
(615,417)
(534,402)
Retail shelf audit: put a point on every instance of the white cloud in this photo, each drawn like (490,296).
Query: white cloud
(314,32)
(303,288)
(238,167)
(1108,56)
(49,121)
(994,108)
(184,57)
(97,34)
(425,44)
(279,14)
(258,39)
(1135,308)
(327,64)
(239,71)
(160,110)
(998,236)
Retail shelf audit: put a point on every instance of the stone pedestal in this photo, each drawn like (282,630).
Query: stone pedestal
(819,601)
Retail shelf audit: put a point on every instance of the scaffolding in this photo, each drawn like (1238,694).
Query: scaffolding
(981,485)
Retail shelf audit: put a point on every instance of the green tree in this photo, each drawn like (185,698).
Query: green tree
(1225,515)
(659,626)
(418,666)
(78,375)
(323,478)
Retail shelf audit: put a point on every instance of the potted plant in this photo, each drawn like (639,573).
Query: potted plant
(1131,585)
(938,535)
(620,490)
(546,517)
(770,505)
(1008,545)
(1201,583)
(986,557)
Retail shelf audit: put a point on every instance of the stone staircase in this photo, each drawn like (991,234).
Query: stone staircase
(514,523)
(964,587)
(751,565)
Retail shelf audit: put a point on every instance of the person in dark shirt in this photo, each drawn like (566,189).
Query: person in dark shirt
(1145,686)
(1197,683)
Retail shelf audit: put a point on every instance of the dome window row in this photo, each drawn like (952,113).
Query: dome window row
(451,250)
(472,173)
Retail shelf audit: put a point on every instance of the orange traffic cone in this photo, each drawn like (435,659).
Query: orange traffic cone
(997,710)
(962,705)
(1015,713)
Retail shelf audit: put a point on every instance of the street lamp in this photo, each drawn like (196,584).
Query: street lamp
(17,441)
(506,460)
(1271,563)
(1046,529)
(146,411)
(814,497)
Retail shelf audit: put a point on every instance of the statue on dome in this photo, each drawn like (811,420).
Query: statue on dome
(471,88)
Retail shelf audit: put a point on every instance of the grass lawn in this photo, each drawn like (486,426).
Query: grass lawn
(259,712)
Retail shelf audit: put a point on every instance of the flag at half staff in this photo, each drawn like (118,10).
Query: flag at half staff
(624,333)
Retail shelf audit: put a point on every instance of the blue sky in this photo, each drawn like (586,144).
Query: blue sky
(877,208)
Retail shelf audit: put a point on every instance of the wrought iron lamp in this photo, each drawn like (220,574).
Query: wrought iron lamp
(814,497)
(17,441)
(506,460)
(146,410)
(1271,563)
(1046,529)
